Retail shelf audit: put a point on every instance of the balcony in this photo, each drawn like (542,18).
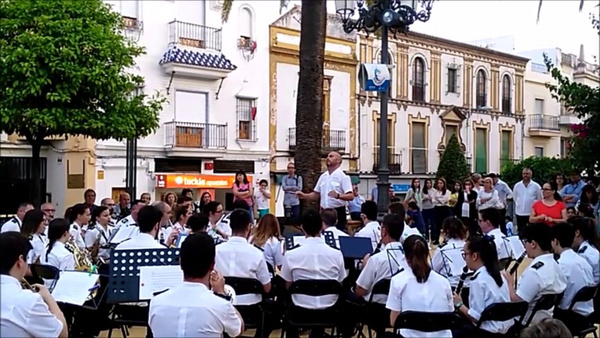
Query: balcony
(567,117)
(195,51)
(333,140)
(394,161)
(544,126)
(190,136)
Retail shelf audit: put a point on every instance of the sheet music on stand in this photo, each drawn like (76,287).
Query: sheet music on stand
(453,262)
(157,279)
(74,287)
(515,244)
(123,233)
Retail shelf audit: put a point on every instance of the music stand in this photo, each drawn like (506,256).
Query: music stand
(95,302)
(330,239)
(452,265)
(391,256)
(124,274)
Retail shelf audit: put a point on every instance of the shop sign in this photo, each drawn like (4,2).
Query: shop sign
(196,181)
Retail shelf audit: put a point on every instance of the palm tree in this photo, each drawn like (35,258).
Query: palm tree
(540,8)
(309,114)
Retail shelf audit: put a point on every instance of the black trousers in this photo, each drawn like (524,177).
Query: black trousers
(441,212)
(522,222)
(341,218)
(502,220)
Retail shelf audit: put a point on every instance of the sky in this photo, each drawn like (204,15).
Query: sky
(561,24)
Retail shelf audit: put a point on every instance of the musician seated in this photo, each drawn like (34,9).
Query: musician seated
(79,216)
(543,276)
(313,260)
(447,259)
(197,223)
(487,287)
(25,313)
(148,219)
(383,265)
(586,239)
(419,288)
(329,217)
(397,208)
(100,232)
(578,273)
(57,255)
(489,222)
(266,237)
(191,309)
(33,228)
(217,229)
(371,228)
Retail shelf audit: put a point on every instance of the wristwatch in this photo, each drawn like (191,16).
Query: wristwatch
(458,306)
(227,298)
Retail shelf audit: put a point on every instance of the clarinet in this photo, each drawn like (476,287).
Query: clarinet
(461,282)
(517,263)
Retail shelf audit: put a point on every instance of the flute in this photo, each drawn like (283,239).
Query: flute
(461,282)
(519,260)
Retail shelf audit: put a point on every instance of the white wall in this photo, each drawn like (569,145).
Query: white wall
(56,182)
(453,99)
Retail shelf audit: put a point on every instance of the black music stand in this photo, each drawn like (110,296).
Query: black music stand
(95,302)
(391,256)
(328,237)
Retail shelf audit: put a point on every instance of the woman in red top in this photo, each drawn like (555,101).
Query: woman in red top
(550,209)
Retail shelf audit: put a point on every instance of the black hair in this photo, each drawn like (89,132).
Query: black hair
(443,191)
(572,209)
(417,255)
(197,255)
(77,210)
(394,225)
(202,204)
(198,222)
(186,191)
(136,202)
(211,207)
(397,208)
(241,204)
(424,188)
(181,211)
(263,181)
(184,199)
(31,222)
(329,217)
(245,180)
(454,228)
(413,186)
(56,229)
(88,191)
(12,246)
(486,248)
(491,215)
(540,233)
(369,209)
(311,222)
(564,233)
(584,199)
(148,217)
(460,187)
(413,206)
(239,221)
(97,212)
(554,187)
(586,228)
(586,210)
(24,205)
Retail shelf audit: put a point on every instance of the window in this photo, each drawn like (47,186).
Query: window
(245,27)
(418,149)
(481,160)
(418,80)
(389,62)
(505,150)
(539,106)
(565,147)
(506,95)
(451,130)
(481,99)
(538,151)
(452,80)
(246,124)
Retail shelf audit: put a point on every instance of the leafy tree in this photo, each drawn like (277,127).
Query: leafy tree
(453,165)
(309,115)
(544,169)
(584,102)
(63,71)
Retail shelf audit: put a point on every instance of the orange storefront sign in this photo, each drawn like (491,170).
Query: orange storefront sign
(195,181)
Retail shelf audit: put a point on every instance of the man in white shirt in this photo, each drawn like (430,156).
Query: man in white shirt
(148,219)
(525,192)
(14,224)
(192,309)
(132,219)
(579,275)
(238,258)
(334,189)
(371,228)
(313,260)
(25,313)
(329,218)
(542,277)
(489,221)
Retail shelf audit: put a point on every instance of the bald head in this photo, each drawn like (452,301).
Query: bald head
(334,159)
(165,209)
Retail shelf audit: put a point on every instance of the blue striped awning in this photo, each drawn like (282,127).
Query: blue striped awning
(196,58)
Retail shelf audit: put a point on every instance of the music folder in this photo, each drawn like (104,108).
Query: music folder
(355,247)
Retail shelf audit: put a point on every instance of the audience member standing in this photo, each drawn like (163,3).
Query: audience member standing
(291,184)
(571,192)
(526,192)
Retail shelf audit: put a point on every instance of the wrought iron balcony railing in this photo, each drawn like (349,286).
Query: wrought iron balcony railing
(193,35)
(195,135)
(394,161)
(543,122)
(333,140)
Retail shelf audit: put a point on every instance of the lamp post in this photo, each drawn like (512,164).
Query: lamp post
(392,16)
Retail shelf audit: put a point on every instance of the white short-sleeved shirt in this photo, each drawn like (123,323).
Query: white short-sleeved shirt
(389,261)
(313,260)
(371,230)
(406,294)
(272,251)
(448,261)
(524,197)
(262,202)
(408,231)
(484,292)
(337,233)
(13,224)
(23,313)
(191,310)
(592,256)
(501,244)
(103,235)
(223,225)
(125,222)
(139,242)
(542,277)
(337,181)
(238,258)
(579,275)
(75,232)
(59,257)
(39,243)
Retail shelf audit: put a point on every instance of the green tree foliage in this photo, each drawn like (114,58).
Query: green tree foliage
(64,71)
(453,165)
(544,169)
(583,101)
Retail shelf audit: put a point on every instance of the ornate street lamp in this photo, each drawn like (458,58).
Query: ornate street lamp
(392,16)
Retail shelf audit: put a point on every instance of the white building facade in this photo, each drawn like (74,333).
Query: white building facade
(441,88)
(214,76)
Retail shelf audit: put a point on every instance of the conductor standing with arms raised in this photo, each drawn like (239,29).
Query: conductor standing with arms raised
(334,189)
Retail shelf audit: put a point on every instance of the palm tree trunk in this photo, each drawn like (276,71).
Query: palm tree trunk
(309,104)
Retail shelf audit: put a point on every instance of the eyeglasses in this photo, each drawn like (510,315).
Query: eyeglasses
(49,210)
(464,254)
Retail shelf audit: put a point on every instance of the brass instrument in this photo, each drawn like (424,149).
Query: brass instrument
(26,286)
(94,250)
(83,262)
